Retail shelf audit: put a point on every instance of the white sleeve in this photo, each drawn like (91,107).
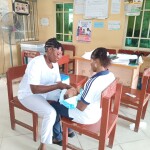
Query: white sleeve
(58,79)
(34,73)
(91,94)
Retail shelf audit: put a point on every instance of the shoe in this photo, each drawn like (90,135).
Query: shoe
(57,142)
(71,135)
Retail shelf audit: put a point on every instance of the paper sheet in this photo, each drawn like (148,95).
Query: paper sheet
(87,55)
(79,6)
(115,6)
(96,9)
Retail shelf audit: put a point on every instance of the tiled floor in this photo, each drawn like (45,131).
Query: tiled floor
(21,139)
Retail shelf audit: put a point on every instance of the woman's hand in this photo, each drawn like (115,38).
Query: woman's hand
(36,89)
(63,86)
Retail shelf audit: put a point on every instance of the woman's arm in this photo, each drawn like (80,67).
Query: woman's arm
(36,89)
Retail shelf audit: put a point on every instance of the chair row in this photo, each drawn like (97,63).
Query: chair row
(131,52)
(139,103)
(106,126)
(111,98)
(17,72)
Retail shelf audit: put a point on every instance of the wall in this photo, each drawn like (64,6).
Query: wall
(5,49)
(100,36)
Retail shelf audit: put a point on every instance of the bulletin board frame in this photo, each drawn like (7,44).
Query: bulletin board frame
(21,8)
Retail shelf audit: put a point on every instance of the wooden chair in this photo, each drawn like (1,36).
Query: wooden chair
(13,74)
(125,51)
(70,49)
(75,80)
(26,54)
(140,102)
(112,51)
(105,127)
(143,53)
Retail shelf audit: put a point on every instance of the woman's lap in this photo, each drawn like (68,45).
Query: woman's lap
(37,104)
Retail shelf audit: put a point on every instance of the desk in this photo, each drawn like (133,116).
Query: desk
(128,75)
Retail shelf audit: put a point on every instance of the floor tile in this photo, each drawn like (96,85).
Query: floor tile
(0,142)
(124,134)
(147,121)
(6,131)
(148,108)
(87,142)
(137,145)
(22,142)
(115,147)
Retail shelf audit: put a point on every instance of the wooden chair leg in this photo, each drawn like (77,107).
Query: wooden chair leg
(65,137)
(102,141)
(111,137)
(144,110)
(35,127)
(102,144)
(138,119)
(12,117)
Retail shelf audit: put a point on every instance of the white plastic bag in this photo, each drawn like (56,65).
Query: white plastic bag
(143,126)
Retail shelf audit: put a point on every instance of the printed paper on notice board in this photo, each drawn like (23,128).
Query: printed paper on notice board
(98,24)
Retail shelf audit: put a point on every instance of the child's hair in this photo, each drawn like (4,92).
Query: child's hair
(52,43)
(101,54)
(73,93)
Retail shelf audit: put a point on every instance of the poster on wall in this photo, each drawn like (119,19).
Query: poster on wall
(132,7)
(84,30)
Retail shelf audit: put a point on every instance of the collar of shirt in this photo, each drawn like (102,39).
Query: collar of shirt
(100,73)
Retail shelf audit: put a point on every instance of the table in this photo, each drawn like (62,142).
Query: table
(128,75)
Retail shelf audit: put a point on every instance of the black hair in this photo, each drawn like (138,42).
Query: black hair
(52,43)
(101,54)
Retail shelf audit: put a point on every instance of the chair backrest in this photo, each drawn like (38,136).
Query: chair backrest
(125,51)
(25,54)
(64,60)
(68,47)
(12,74)
(143,53)
(112,51)
(110,103)
(146,82)
(112,92)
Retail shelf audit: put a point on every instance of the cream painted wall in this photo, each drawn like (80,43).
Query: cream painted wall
(5,50)
(100,36)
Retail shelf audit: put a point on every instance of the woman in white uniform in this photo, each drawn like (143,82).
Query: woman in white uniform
(40,83)
(88,109)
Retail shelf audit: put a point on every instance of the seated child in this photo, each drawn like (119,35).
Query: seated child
(70,97)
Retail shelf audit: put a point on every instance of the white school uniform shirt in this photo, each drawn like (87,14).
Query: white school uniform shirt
(38,73)
(92,97)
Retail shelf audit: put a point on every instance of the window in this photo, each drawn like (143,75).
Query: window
(64,22)
(138,28)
